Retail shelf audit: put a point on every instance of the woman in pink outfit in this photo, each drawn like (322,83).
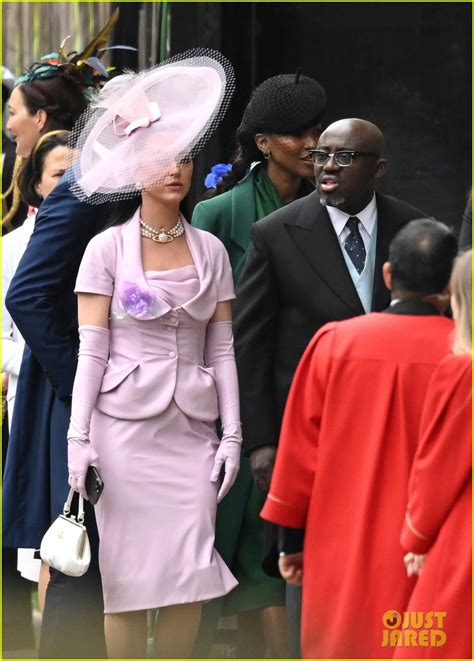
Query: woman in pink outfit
(156,369)
(438,525)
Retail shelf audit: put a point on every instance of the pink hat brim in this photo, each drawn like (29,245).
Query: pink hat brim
(188,100)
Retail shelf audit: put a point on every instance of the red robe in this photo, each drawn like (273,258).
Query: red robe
(346,447)
(438,520)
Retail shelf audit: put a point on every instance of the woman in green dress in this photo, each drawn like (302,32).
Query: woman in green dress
(271,166)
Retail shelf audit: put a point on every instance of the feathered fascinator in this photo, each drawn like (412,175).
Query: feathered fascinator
(139,124)
(85,67)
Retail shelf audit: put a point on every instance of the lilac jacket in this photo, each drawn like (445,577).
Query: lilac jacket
(157,353)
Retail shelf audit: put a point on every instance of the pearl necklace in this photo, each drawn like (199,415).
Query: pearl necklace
(162,235)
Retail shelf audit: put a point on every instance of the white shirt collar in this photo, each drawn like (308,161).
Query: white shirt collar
(367,217)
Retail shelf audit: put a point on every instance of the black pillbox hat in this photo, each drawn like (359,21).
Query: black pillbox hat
(285,104)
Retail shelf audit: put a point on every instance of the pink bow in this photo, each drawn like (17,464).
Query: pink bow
(137,118)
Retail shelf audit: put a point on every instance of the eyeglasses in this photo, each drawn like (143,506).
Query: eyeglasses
(343,158)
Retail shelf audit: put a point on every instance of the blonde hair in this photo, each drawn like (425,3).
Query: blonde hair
(43,139)
(461,288)
(9,213)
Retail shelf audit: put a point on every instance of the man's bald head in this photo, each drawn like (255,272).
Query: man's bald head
(365,135)
(350,188)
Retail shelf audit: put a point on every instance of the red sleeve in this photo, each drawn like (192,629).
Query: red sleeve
(442,463)
(295,465)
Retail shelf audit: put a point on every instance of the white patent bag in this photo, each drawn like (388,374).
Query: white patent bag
(65,545)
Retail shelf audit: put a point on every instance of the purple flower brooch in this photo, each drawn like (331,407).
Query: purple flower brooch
(137,302)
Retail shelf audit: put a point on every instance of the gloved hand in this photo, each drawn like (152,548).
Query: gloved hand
(227,455)
(219,354)
(262,461)
(80,455)
(93,356)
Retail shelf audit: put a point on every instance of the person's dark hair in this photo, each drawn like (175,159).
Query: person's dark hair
(32,170)
(244,154)
(123,210)
(286,104)
(421,257)
(60,97)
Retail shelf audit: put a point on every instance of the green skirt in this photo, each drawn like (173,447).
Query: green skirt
(239,540)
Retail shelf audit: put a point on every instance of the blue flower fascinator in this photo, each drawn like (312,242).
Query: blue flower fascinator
(216,174)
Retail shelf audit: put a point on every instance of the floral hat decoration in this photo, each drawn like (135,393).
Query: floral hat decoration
(216,175)
(139,124)
(85,67)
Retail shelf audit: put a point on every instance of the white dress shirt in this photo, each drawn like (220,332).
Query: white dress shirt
(363,282)
(367,218)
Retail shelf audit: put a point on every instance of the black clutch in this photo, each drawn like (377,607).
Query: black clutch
(94,485)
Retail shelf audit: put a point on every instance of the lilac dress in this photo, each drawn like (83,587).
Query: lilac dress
(156,515)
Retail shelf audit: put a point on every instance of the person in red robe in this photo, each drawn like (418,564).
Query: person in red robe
(347,443)
(438,521)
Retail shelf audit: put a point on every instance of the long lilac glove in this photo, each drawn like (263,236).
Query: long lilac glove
(93,356)
(219,354)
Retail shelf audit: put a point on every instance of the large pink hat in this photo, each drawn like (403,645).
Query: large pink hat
(142,123)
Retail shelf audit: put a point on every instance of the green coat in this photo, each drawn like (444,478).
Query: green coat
(239,531)
(229,216)
(238,204)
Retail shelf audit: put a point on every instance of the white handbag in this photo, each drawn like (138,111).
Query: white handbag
(65,545)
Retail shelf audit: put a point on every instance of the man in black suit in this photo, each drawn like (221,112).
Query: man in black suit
(316,260)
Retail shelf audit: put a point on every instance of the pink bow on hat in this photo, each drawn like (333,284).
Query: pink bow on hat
(139,116)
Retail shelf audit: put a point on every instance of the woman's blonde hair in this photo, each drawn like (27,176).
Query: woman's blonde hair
(461,289)
(9,213)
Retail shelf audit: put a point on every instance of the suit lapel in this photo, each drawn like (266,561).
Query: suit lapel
(243,207)
(314,236)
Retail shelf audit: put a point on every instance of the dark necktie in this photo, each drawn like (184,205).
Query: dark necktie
(354,244)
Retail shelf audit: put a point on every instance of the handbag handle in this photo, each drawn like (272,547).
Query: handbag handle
(80,509)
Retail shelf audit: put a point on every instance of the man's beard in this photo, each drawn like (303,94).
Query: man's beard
(331,201)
